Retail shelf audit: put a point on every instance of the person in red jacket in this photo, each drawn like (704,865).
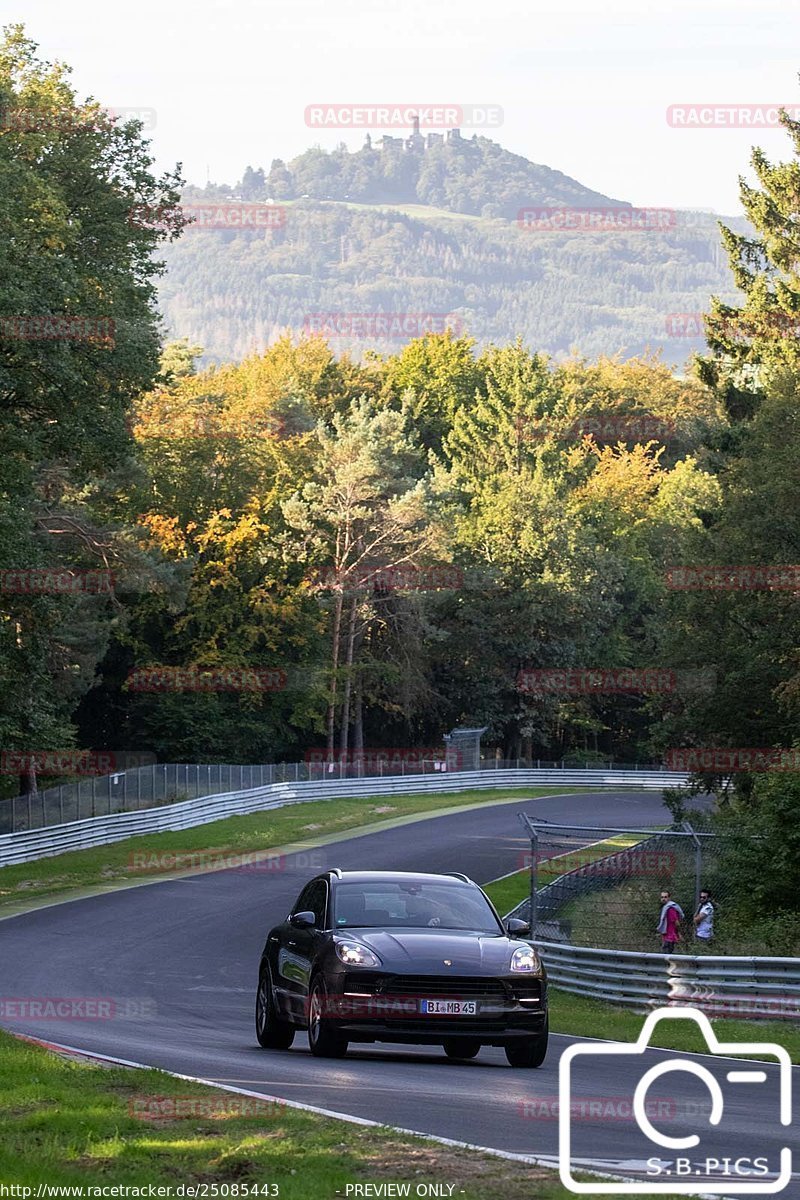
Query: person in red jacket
(669,923)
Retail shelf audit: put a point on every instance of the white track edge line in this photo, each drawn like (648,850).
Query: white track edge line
(543,1160)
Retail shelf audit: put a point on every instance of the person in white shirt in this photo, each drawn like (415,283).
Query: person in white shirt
(704,918)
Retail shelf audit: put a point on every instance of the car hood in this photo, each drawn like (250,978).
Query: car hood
(423,952)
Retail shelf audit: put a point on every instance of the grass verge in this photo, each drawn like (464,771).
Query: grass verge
(303,824)
(585,1017)
(68,1123)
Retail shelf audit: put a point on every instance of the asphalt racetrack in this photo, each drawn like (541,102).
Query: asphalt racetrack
(180,960)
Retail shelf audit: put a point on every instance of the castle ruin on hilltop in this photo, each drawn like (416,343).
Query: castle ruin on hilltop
(416,142)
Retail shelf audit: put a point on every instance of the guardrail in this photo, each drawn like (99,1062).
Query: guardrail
(152,784)
(32,844)
(722,986)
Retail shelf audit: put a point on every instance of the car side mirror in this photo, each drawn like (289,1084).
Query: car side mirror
(515,925)
(304,920)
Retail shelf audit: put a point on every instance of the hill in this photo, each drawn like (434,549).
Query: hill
(436,229)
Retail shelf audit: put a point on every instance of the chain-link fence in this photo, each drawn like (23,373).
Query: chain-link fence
(167,783)
(603,887)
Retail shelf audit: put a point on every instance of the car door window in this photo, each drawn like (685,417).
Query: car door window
(318,902)
(314,898)
(303,901)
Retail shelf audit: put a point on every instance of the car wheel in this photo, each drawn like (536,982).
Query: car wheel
(527,1052)
(461,1047)
(271,1031)
(323,1041)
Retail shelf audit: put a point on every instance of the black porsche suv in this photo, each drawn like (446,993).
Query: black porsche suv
(391,956)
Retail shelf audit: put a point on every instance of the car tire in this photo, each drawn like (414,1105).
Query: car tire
(461,1047)
(271,1032)
(528,1052)
(323,1041)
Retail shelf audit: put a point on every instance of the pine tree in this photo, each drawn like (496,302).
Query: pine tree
(753,342)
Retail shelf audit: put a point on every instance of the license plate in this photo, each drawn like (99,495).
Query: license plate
(449,1008)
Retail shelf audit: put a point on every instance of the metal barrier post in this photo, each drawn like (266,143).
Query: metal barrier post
(698,862)
(534,881)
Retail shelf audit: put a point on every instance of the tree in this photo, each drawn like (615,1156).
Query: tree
(751,341)
(433,377)
(747,637)
(362,517)
(253,185)
(79,340)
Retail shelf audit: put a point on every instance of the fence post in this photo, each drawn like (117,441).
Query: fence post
(534,882)
(698,862)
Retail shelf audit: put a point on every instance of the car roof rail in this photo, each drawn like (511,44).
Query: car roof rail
(459,875)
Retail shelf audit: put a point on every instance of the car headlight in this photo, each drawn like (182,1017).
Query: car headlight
(353,954)
(525,959)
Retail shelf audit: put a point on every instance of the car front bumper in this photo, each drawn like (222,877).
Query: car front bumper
(372,1007)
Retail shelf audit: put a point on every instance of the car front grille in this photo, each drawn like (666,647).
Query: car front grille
(451,987)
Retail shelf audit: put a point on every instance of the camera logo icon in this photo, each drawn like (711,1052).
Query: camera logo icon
(704,1170)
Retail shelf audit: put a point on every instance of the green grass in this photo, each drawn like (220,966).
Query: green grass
(508,892)
(424,212)
(583,1016)
(303,824)
(68,1123)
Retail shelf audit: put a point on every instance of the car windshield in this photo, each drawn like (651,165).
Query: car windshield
(413,905)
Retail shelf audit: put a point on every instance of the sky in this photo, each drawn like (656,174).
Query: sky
(584,86)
